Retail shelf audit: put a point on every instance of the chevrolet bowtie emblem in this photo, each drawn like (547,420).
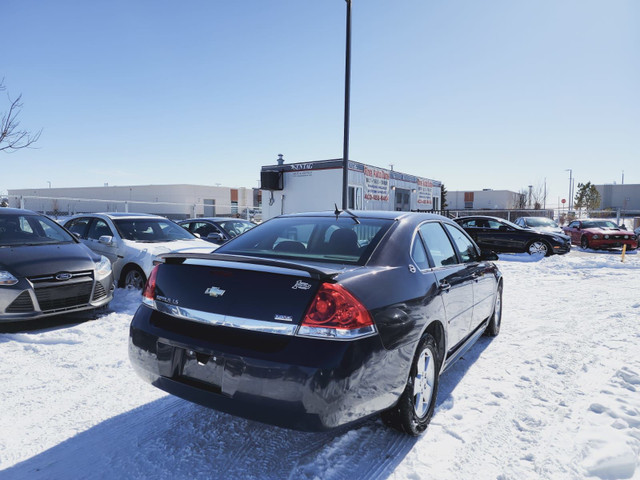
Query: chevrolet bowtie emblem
(214,292)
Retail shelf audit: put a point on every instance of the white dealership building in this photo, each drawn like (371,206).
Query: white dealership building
(317,186)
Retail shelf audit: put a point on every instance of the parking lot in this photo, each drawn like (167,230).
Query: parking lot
(554,396)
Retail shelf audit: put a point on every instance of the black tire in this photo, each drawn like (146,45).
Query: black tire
(493,327)
(413,412)
(132,277)
(584,243)
(539,246)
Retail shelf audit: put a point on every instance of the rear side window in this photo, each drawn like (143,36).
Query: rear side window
(438,244)
(419,254)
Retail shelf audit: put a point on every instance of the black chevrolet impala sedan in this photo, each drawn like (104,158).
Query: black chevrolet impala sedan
(313,321)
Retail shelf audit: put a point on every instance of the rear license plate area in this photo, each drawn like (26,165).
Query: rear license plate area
(201,369)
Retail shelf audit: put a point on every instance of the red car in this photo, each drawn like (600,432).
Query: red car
(591,233)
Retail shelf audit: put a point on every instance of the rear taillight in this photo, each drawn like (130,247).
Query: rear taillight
(149,292)
(335,313)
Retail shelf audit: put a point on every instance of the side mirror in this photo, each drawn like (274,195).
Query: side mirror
(106,239)
(488,255)
(215,237)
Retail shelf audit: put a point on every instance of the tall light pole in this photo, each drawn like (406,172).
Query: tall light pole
(347,99)
(570,187)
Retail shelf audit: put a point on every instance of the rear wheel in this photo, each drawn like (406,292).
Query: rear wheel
(415,407)
(539,246)
(133,277)
(584,242)
(493,328)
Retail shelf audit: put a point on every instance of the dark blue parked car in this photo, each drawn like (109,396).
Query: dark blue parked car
(313,321)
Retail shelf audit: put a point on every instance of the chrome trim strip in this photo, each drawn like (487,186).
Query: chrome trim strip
(247,266)
(336,333)
(225,320)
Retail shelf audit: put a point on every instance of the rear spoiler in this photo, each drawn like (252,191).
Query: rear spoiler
(178,258)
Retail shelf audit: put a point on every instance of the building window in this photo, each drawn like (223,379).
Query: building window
(354,197)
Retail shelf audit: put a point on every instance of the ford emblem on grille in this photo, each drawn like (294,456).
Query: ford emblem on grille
(63,276)
(214,291)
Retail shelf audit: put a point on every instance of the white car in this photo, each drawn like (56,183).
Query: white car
(132,241)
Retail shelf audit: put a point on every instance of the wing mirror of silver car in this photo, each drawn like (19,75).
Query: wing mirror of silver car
(106,239)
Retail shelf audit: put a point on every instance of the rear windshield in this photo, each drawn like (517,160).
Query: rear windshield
(151,230)
(17,230)
(317,239)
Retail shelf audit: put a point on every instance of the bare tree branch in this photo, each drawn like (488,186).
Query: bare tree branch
(12,138)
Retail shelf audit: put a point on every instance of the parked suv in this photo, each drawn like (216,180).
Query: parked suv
(132,241)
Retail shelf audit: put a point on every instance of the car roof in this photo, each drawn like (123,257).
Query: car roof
(381,214)
(480,216)
(17,211)
(118,215)
(214,219)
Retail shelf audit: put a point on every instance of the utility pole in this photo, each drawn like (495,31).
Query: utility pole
(347,95)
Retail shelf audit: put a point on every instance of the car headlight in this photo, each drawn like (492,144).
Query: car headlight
(103,267)
(626,237)
(7,279)
(595,237)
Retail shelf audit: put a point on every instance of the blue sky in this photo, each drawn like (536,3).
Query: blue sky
(492,94)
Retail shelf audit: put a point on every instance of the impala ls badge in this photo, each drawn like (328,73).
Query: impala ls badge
(214,292)
(301,285)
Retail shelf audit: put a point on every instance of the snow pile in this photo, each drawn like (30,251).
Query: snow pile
(554,396)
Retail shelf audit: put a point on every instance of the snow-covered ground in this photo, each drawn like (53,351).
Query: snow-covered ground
(555,396)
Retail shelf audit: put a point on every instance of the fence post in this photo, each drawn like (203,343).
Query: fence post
(21,202)
(126,206)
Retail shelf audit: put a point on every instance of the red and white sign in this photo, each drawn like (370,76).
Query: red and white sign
(376,184)
(425,193)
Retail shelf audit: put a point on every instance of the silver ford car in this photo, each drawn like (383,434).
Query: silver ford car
(46,271)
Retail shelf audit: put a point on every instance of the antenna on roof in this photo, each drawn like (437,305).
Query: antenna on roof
(337,211)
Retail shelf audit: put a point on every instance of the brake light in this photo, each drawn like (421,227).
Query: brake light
(336,313)
(149,292)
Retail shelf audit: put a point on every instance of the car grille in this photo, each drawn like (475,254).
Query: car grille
(52,277)
(61,297)
(21,304)
(99,292)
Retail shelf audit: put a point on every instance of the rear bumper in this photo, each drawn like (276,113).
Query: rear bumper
(303,384)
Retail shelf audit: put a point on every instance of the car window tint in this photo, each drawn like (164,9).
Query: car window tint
(151,230)
(322,239)
(466,249)
(419,254)
(236,227)
(203,229)
(30,230)
(78,226)
(494,225)
(99,228)
(438,244)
